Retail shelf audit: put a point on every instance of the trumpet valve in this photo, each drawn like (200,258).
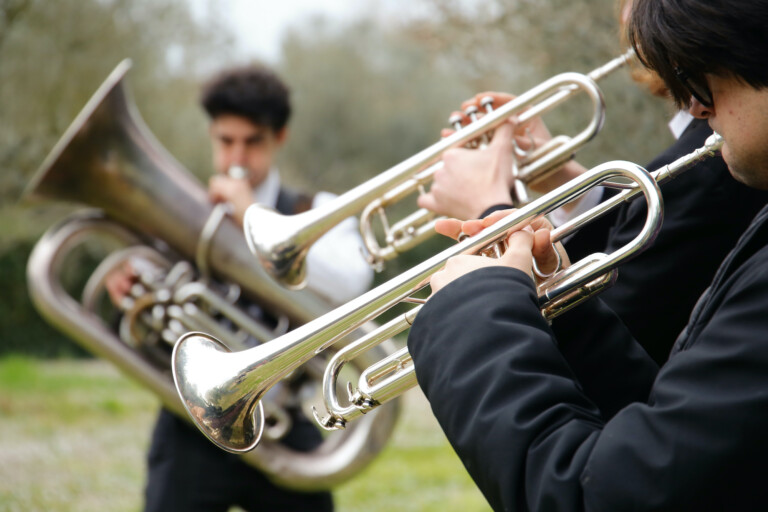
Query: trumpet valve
(329,422)
(455,121)
(471,113)
(487,104)
(360,400)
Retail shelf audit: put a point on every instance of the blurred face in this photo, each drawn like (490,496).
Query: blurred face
(740,114)
(237,141)
(639,73)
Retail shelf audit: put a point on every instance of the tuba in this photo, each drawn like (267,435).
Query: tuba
(195,273)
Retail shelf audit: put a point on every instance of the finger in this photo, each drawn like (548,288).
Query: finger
(437,281)
(449,227)
(427,201)
(496,216)
(518,253)
(541,222)
(524,142)
(215,195)
(447,132)
(471,102)
(472,227)
(503,135)
(458,115)
(499,98)
(546,258)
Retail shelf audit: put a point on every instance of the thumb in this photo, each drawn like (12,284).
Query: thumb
(547,258)
(448,227)
(518,254)
(503,135)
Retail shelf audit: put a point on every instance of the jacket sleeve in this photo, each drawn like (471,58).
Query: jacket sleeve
(608,363)
(531,437)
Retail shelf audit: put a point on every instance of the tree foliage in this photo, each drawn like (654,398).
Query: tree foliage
(53,56)
(514,45)
(367,94)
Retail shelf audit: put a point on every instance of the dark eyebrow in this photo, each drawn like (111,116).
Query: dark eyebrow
(258,137)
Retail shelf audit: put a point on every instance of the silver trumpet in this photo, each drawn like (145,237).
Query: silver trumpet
(222,391)
(281,242)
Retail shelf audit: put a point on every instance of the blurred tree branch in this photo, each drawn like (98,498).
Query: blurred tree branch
(10,11)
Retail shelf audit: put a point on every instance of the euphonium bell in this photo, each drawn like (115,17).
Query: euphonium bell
(153,208)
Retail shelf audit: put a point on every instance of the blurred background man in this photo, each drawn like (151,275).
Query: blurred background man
(249,109)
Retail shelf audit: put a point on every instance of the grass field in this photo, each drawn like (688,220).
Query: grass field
(73,436)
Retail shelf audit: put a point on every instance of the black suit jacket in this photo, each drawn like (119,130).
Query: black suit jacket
(705,212)
(593,424)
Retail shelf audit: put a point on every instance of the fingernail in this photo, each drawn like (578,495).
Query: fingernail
(528,228)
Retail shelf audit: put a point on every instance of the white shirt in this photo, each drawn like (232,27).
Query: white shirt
(677,126)
(336,267)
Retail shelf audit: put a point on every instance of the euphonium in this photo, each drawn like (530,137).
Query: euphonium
(156,213)
(222,391)
(281,242)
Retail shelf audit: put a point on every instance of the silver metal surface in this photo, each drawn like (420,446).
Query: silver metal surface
(160,216)
(281,242)
(225,402)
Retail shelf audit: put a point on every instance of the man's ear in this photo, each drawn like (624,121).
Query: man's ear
(281,135)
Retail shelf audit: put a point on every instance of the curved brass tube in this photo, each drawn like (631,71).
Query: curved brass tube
(281,242)
(222,391)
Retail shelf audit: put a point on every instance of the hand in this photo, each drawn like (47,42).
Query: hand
(523,248)
(533,132)
(471,181)
(119,282)
(237,192)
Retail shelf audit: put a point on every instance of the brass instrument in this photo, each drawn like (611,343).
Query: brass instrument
(222,391)
(160,219)
(281,242)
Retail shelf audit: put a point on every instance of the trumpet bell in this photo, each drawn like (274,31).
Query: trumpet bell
(272,237)
(235,426)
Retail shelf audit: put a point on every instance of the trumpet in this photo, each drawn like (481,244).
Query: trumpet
(281,242)
(223,391)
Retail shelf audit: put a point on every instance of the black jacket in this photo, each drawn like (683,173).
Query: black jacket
(705,212)
(593,424)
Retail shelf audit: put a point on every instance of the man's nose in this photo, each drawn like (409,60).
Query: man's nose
(237,155)
(699,110)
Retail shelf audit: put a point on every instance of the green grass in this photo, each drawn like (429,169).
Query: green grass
(73,437)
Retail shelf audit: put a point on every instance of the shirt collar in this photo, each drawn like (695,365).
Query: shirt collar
(266,193)
(680,122)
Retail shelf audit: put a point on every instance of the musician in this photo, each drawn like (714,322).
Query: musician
(249,110)
(576,416)
(654,292)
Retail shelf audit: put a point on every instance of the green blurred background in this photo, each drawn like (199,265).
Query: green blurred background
(368,92)
(370,88)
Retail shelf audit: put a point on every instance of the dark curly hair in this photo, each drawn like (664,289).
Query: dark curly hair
(719,37)
(253,92)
